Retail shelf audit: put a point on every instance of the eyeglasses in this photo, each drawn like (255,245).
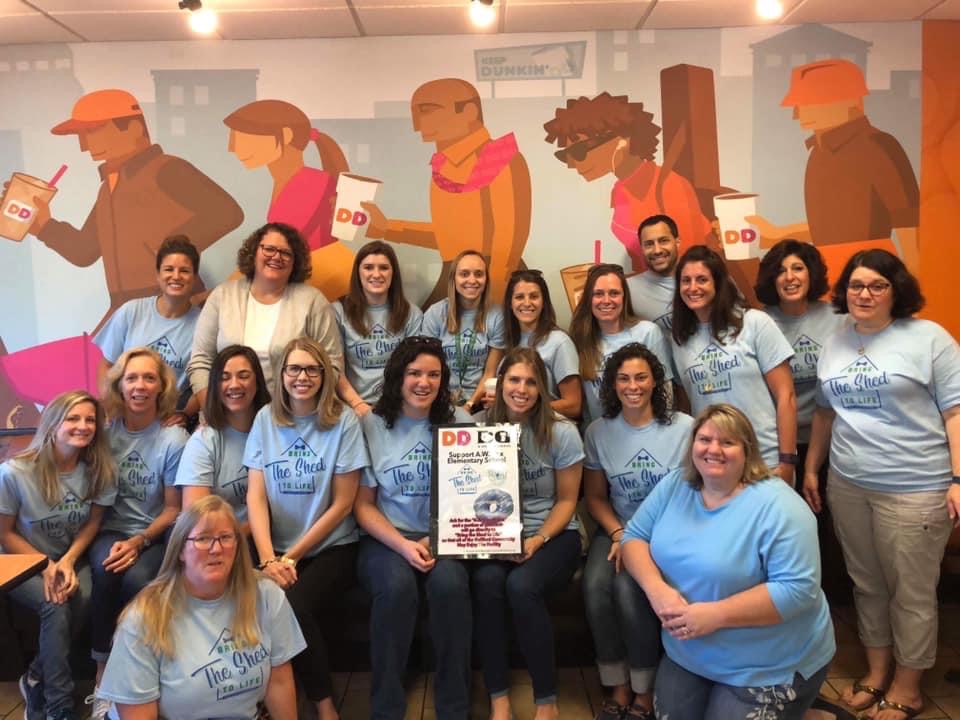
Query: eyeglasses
(423,340)
(876,289)
(205,542)
(270,250)
(293,371)
(578,151)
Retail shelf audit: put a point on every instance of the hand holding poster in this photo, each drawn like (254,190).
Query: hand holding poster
(475,503)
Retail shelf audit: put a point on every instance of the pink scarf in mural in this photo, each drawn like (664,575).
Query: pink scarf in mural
(492,158)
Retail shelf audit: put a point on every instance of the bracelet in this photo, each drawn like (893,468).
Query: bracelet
(788,458)
(264,564)
(955,480)
(357,404)
(146,540)
(615,531)
(546,538)
(287,560)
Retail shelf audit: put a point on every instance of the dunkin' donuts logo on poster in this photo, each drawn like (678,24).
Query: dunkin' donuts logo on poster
(16,210)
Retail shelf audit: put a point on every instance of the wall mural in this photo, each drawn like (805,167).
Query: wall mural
(736,133)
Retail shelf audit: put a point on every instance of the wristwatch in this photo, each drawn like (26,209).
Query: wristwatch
(546,538)
(788,458)
(146,540)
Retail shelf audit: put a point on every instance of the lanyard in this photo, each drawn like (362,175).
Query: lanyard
(463,358)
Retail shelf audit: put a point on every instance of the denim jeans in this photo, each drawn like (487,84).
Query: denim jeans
(682,695)
(112,590)
(626,631)
(524,586)
(58,625)
(395,588)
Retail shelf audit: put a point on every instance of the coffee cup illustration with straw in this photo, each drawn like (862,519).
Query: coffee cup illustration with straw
(18,207)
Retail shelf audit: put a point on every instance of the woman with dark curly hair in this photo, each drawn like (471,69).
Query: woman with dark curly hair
(611,134)
(888,401)
(265,309)
(393,507)
(373,318)
(636,442)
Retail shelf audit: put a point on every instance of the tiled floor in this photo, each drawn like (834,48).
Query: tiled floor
(580,687)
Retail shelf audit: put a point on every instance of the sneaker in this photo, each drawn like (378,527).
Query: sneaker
(638,712)
(609,710)
(100,706)
(32,691)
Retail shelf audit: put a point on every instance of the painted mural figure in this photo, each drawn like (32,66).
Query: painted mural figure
(479,191)
(145,196)
(859,185)
(274,133)
(610,134)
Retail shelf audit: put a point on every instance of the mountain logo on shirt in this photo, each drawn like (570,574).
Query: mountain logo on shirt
(643,472)
(233,670)
(299,449)
(858,385)
(378,331)
(418,453)
(165,349)
(711,374)
(643,460)
(135,477)
(803,364)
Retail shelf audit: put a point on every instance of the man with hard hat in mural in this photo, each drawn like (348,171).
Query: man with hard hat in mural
(859,187)
(480,188)
(145,196)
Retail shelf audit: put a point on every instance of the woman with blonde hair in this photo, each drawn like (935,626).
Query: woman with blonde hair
(728,558)
(52,498)
(469,328)
(304,455)
(210,636)
(141,393)
(274,133)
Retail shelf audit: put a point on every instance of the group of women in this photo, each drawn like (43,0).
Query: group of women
(312,464)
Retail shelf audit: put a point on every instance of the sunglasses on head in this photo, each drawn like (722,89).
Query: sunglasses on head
(423,340)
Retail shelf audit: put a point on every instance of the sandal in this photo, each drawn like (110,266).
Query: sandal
(876,694)
(908,712)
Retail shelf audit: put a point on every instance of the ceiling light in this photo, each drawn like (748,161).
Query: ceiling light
(482,13)
(769,9)
(202,20)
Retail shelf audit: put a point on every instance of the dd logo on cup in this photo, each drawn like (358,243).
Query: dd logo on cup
(18,212)
(356,218)
(746,235)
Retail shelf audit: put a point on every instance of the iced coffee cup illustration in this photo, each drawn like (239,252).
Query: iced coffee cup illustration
(350,220)
(18,207)
(740,239)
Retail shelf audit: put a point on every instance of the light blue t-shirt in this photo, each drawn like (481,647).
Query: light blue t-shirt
(764,535)
(137,323)
(538,477)
(401,469)
(644,332)
(49,529)
(467,350)
(365,356)
(214,459)
(298,464)
(806,334)
(559,356)
(652,298)
(146,465)
(734,372)
(209,676)
(888,434)
(635,459)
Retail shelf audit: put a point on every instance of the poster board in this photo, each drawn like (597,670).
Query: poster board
(475,507)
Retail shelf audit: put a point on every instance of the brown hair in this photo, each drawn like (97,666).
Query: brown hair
(542,417)
(355,302)
(270,117)
(584,329)
(179,245)
(454,311)
(213,410)
(585,118)
(247,254)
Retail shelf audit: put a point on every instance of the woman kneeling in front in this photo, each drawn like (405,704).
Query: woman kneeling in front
(728,557)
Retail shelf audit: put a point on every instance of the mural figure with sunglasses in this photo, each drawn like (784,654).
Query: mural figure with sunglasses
(609,134)
(479,191)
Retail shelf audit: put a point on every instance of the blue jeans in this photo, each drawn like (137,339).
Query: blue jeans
(111,590)
(626,631)
(395,588)
(58,626)
(524,586)
(682,695)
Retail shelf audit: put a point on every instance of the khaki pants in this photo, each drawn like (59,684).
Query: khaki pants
(893,544)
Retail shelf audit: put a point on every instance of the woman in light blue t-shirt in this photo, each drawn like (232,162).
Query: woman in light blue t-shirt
(210,637)
(373,318)
(628,451)
(304,455)
(531,321)
(52,499)
(141,394)
(212,461)
(551,456)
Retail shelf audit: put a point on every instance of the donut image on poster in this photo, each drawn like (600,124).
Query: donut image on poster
(493,506)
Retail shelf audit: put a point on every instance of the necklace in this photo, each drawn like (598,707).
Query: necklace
(860,350)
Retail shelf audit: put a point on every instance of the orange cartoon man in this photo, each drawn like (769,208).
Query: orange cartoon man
(859,186)
(145,196)
(479,191)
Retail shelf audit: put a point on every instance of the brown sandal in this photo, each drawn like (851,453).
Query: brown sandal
(875,693)
(908,712)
